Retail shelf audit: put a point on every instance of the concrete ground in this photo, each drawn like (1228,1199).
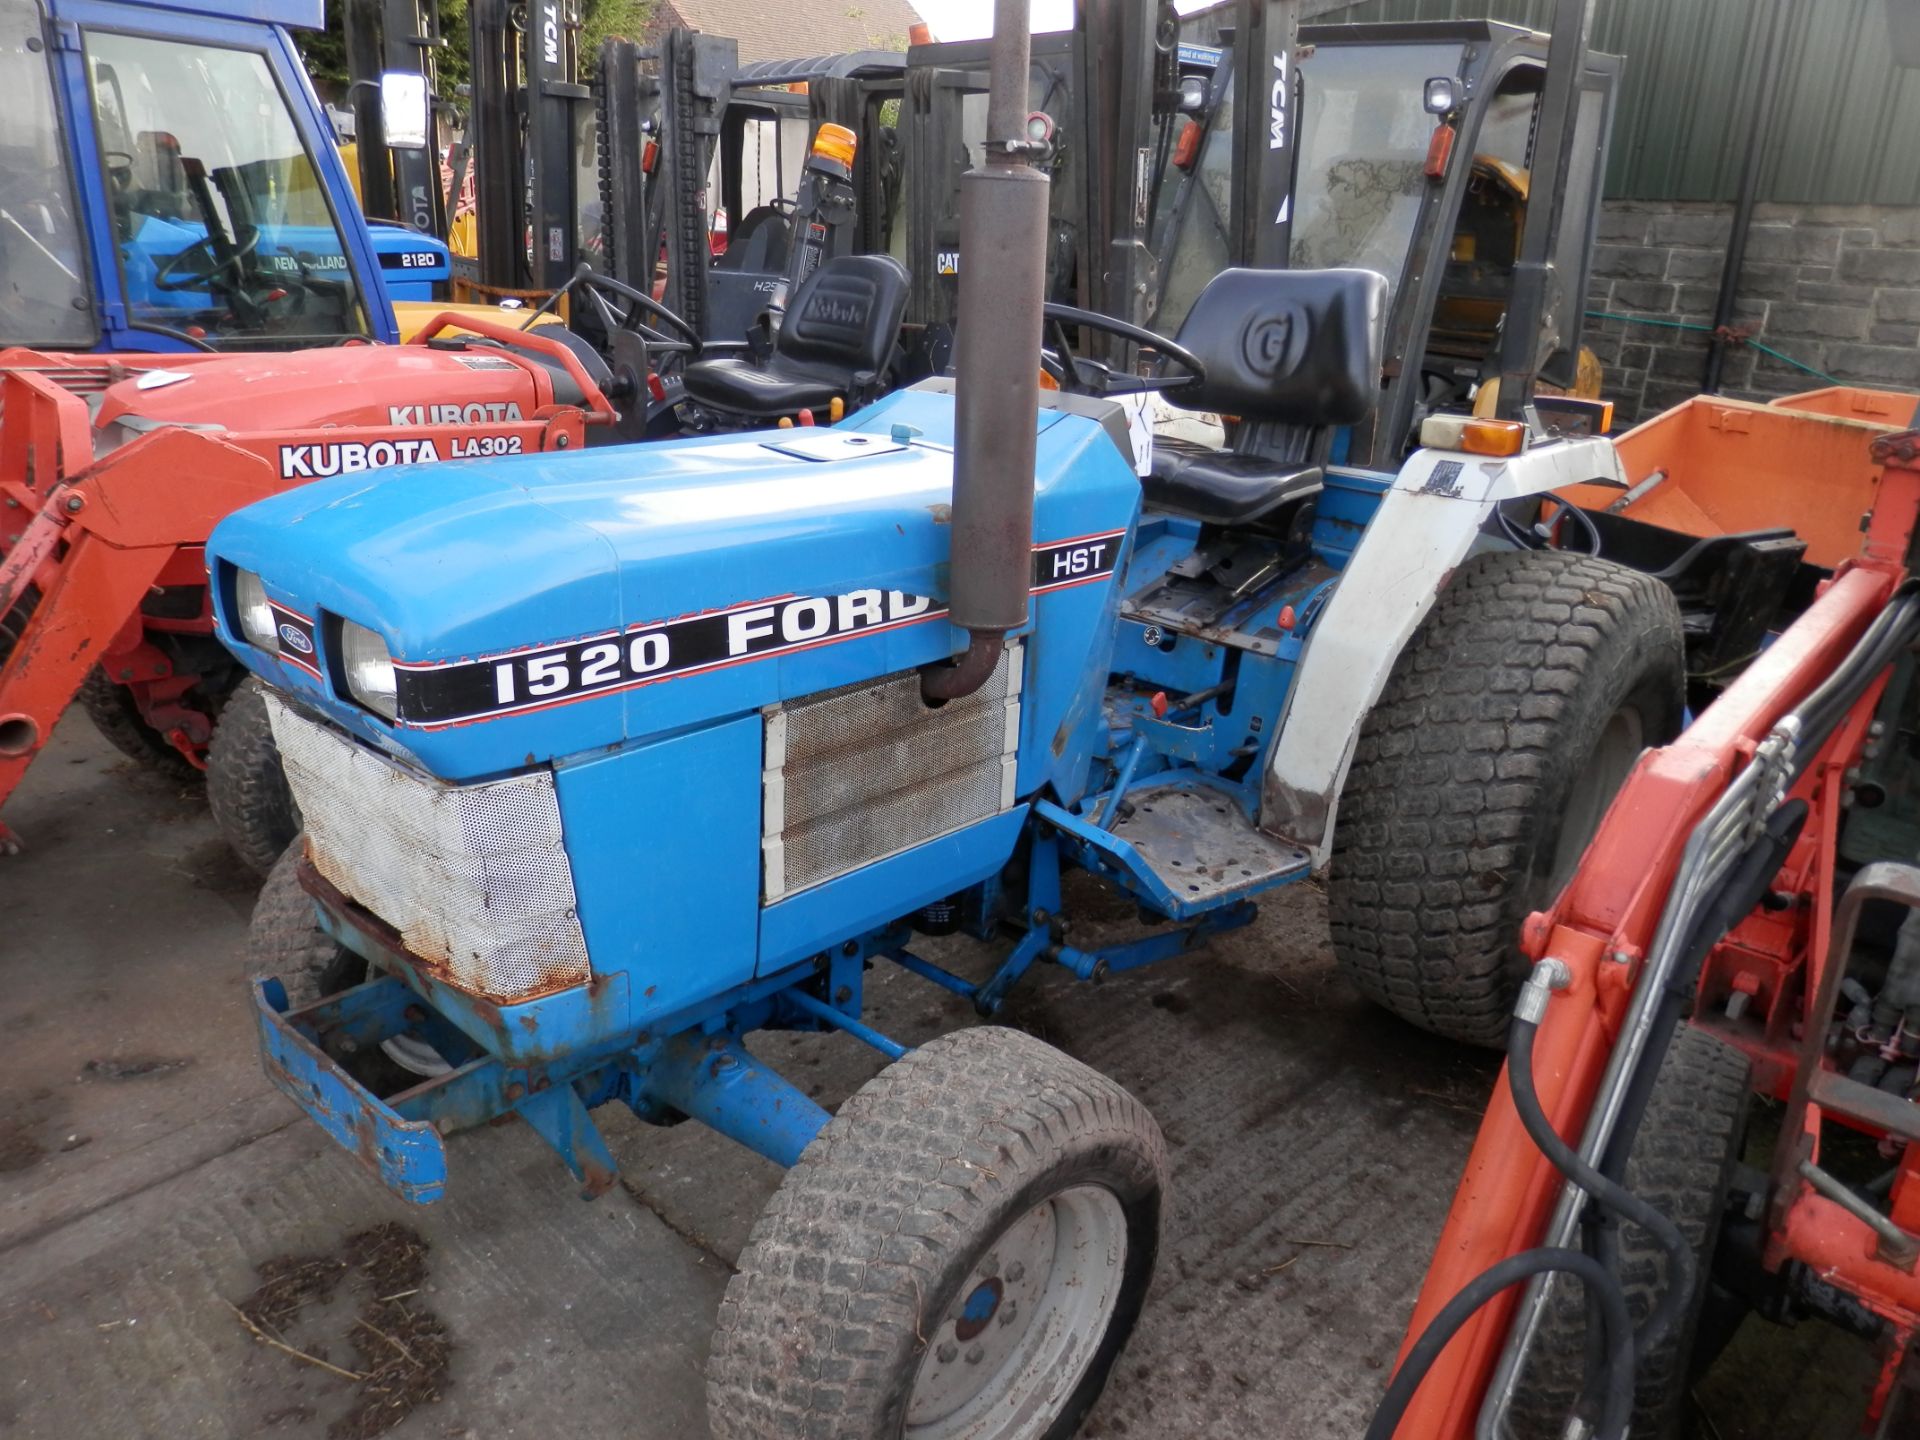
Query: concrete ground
(146,1168)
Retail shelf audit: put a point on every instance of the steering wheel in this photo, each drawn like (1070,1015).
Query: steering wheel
(167,275)
(1090,377)
(597,287)
(1544,532)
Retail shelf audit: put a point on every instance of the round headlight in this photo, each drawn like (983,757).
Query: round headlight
(256,616)
(369,669)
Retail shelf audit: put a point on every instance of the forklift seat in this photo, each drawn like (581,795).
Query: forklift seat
(1292,354)
(758,244)
(839,331)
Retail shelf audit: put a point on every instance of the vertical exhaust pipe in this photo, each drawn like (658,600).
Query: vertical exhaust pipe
(1003,239)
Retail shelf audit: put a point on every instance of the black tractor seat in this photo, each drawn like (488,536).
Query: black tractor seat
(838,334)
(1220,487)
(1291,354)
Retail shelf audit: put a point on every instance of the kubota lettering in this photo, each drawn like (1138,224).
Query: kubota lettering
(349,457)
(474,413)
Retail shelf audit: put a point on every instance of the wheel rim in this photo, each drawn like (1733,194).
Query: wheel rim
(1593,790)
(1014,1345)
(415,1056)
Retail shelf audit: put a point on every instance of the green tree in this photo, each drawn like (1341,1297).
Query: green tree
(325,51)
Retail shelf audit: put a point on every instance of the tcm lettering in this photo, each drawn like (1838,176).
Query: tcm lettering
(477,413)
(815,617)
(1277,106)
(550,34)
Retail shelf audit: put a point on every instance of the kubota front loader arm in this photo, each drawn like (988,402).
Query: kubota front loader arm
(93,549)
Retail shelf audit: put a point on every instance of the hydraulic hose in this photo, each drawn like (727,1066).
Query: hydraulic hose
(1617,1408)
(1606,1300)
(1820,714)
(1683,1266)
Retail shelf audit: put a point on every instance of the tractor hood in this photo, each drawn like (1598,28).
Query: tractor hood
(387,386)
(549,606)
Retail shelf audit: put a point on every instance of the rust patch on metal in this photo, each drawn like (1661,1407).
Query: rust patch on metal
(595,1179)
(393,947)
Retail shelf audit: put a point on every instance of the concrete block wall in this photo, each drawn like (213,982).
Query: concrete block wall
(1836,287)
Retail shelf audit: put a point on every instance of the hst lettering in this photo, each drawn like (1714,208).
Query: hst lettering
(478,445)
(491,412)
(318,462)
(1079,561)
(818,617)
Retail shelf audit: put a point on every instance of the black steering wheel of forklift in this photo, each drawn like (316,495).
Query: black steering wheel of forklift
(1081,376)
(597,287)
(174,273)
(1544,532)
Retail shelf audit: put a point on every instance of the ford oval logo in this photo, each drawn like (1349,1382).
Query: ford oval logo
(296,638)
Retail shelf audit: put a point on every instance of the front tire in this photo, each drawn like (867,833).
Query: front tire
(115,713)
(1507,725)
(285,941)
(962,1251)
(1681,1163)
(247,790)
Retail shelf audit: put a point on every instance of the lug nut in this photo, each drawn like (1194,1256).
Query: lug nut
(1007,1312)
(990,1266)
(947,1353)
(976,1354)
(1016,1272)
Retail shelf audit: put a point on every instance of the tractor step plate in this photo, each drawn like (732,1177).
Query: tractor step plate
(1199,845)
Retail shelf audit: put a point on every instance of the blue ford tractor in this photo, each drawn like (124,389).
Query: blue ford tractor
(609,760)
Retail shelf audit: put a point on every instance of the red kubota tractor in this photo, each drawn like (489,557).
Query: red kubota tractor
(1746,921)
(114,469)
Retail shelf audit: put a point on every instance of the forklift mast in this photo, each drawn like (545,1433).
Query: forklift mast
(396,37)
(528,115)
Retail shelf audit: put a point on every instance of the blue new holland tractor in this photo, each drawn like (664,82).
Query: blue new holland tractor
(609,760)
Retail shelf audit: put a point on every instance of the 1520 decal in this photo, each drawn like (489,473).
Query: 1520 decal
(432,694)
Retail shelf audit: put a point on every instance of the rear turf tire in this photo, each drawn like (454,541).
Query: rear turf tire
(1506,726)
(1681,1163)
(941,1210)
(115,713)
(246,788)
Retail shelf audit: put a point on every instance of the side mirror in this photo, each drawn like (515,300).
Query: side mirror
(1441,95)
(403,110)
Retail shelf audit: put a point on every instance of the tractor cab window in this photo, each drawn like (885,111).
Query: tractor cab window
(43,278)
(1196,241)
(223,228)
(1361,167)
(1472,304)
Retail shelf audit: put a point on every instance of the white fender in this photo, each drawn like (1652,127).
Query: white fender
(1425,526)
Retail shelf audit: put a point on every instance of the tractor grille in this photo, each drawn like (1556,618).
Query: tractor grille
(474,877)
(866,771)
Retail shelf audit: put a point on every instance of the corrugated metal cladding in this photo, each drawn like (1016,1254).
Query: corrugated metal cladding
(1846,130)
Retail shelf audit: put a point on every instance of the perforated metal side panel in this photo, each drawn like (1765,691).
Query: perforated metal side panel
(474,877)
(866,771)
